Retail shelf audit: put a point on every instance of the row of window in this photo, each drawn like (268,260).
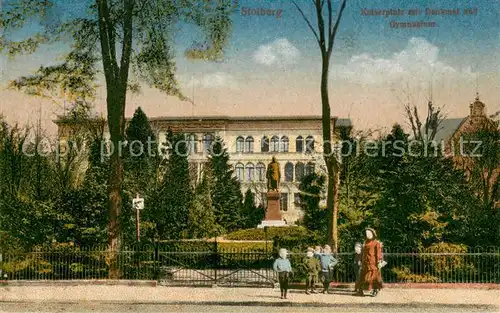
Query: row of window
(246,145)
(207,141)
(249,172)
(275,144)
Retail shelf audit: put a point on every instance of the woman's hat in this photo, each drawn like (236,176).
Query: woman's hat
(373,232)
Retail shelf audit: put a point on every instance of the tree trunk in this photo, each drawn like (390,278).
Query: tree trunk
(336,199)
(116,124)
(328,156)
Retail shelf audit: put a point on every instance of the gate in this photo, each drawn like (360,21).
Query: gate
(214,267)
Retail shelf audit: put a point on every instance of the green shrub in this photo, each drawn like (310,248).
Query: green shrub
(405,275)
(299,243)
(186,246)
(260,234)
(243,246)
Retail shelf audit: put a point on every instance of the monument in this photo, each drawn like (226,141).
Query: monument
(273,214)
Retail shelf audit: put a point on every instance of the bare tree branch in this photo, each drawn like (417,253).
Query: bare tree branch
(127,41)
(321,27)
(106,57)
(333,31)
(308,23)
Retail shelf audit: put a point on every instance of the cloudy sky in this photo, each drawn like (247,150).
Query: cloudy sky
(272,66)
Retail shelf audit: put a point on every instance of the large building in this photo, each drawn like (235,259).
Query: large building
(251,142)
(453,130)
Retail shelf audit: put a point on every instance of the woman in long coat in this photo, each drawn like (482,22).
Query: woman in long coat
(370,277)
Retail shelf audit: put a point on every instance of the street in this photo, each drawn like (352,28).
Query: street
(94,307)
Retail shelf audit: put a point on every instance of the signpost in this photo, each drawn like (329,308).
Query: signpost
(138,204)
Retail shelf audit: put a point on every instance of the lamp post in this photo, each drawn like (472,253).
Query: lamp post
(267,256)
(138,204)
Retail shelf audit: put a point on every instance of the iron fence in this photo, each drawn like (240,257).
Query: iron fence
(239,267)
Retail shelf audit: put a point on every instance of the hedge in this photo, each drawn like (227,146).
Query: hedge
(260,234)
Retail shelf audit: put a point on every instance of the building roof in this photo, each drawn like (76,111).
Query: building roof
(341,122)
(448,127)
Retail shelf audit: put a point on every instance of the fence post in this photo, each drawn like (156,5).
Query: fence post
(156,260)
(216,261)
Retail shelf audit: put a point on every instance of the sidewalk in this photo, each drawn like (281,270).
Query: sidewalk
(246,296)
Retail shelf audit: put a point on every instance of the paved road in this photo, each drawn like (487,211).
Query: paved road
(11,307)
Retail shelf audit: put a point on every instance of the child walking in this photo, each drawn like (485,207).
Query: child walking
(283,267)
(328,261)
(312,267)
(357,261)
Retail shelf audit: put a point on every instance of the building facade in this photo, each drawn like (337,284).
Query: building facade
(251,142)
(452,131)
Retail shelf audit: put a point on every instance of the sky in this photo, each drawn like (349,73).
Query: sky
(272,65)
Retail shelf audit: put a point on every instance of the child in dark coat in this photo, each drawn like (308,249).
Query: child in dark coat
(357,261)
(312,267)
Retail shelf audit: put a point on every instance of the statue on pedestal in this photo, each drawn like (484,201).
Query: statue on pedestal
(273,215)
(273,175)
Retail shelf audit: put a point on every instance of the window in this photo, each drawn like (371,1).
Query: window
(208,139)
(265,144)
(289,172)
(249,145)
(275,144)
(309,144)
(284,144)
(261,172)
(192,143)
(284,202)
(296,199)
(240,171)
(250,172)
(239,144)
(299,171)
(309,168)
(299,144)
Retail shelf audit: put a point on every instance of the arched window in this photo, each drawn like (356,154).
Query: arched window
(192,143)
(265,144)
(248,145)
(309,168)
(284,144)
(275,144)
(208,139)
(250,172)
(299,171)
(309,144)
(240,171)
(284,201)
(261,172)
(239,144)
(289,171)
(299,144)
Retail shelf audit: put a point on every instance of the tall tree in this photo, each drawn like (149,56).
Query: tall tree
(226,196)
(201,217)
(122,35)
(315,216)
(252,214)
(325,35)
(141,155)
(170,212)
(428,130)
(421,199)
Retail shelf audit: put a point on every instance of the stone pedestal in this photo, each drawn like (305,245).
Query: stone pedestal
(273,214)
